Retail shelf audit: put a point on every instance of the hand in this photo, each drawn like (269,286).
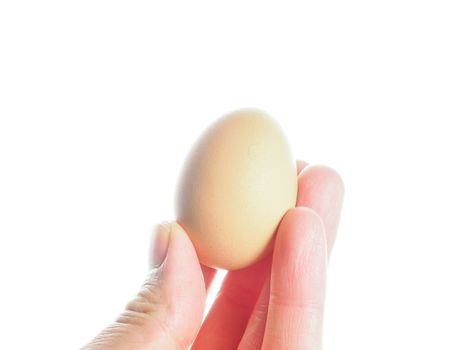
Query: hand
(275,304)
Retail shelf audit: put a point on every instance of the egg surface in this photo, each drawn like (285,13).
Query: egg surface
(237,182)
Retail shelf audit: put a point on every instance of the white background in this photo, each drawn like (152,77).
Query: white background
(101,100)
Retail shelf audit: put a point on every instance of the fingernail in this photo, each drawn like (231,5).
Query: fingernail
(160,244)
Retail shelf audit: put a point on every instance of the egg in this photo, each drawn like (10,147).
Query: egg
(236,184)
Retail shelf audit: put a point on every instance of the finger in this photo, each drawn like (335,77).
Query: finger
(321,189)
(225,323)
(168,310)
(252,338)
(208,273)
(301,164)
(297,283)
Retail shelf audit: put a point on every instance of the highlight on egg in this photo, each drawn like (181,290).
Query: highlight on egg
(236,184)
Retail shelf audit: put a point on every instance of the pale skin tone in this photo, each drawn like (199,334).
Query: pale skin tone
(277,303)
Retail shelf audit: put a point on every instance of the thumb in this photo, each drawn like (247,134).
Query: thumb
(168,310)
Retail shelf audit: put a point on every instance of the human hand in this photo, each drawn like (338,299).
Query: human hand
(275,304)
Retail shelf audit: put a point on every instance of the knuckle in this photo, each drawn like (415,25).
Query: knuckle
(314,305)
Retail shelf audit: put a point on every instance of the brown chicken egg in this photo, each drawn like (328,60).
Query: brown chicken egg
(237,182)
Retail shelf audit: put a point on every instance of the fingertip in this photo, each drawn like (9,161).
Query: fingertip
(300,233)
(328,179)
(181,255)
(321,188)
(301,164)
(169,238)
(300,221)
(208,272)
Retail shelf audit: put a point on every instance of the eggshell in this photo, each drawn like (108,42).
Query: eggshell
(237,182)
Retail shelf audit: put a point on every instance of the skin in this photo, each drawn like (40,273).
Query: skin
(277,303)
